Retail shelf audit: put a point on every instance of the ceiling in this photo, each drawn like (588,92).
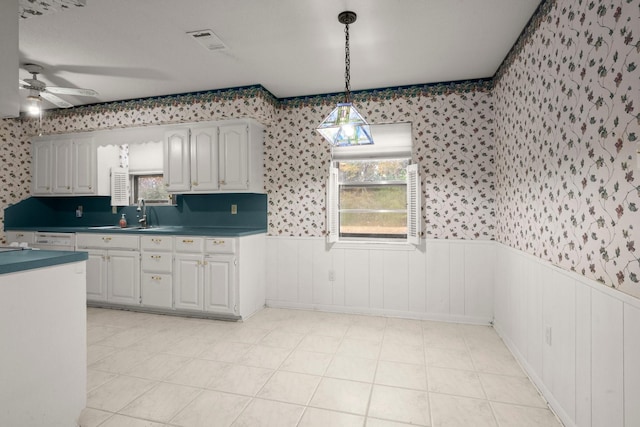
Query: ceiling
(127,49)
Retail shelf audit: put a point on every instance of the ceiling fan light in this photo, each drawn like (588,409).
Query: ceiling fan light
(34,105)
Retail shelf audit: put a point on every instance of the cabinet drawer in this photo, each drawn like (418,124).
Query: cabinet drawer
(156,261)
(189,244)
(156,243)
(220,245)
(21,237)
(157,290)
(107,241)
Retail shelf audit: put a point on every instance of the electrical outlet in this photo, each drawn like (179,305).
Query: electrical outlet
(332,276)
(234,209)
(114,210)
(79,211)
(547,335)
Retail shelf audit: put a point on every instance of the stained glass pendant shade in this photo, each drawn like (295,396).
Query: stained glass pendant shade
(345,126)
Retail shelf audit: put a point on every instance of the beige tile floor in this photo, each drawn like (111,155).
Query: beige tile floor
(301,368)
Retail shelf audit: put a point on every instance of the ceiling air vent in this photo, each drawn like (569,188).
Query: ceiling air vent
(208,39)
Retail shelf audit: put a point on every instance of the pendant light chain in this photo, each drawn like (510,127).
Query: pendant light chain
(347,65)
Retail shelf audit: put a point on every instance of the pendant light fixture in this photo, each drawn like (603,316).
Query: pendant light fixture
(345,126)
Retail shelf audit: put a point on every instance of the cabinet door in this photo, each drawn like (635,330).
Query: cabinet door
(187,282)
(156,290)
(204,159)
(97,276)
(124,277)
(219,284)
(234,157)
(61,168)
(41,174)
(84,166)
(176,160)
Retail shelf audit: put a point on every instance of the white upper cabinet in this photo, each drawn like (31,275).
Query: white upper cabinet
(176,160)
(64,165)
(204,159)
(41,172)
(214,158)
(234,157)
(84,166)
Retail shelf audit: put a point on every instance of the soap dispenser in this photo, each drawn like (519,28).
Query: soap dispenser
(123,221)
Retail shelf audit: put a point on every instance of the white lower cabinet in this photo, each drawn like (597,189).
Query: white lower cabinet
(156,271)
(113,267)
(220,284)
(188,275)
(205,280)
(113,276)
(212,276)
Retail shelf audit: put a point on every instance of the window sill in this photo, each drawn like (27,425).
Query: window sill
(373,245)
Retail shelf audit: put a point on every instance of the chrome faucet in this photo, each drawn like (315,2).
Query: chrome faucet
(142,207)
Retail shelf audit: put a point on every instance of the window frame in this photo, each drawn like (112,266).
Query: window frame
(133,177)
(412,208)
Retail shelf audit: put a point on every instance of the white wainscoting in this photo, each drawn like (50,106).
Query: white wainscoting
(578,340)
(448,280)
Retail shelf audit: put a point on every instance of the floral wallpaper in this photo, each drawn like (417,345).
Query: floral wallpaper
(15,161)
(452,129)
(542,157)
(567,122)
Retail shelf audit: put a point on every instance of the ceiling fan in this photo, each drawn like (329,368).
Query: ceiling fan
(38,90)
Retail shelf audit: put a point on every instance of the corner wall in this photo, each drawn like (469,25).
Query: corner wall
(566,128)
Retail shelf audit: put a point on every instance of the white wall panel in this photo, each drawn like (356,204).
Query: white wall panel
(563,343)
(583,356)
(456,279)
(305,271)
(287,265)
(356,292)
(631,368)
(417,281)
(322,287)
(589,373)
(444,280)
(438,277)
(376,279)
(479,260)
(535,333)
(338,263)
(396,281)
(607,360)
(272,269)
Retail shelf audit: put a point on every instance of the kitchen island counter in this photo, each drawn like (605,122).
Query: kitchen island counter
(43,331)
(21,260)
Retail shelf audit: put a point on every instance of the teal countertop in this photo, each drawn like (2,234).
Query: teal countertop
(167,229)
(21,260)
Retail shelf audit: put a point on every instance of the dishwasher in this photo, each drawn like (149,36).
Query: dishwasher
(55,241)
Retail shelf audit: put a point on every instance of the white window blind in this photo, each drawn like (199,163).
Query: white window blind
(333,214)
(389,141)
(413,205)
(119,187)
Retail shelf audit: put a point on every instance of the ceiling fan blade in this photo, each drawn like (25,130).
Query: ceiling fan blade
(71,91)
(55,100)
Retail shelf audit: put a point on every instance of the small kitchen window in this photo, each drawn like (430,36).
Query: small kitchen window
(151,188)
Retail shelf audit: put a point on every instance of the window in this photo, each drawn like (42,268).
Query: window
(374,191)
(374,199)
(151,188)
